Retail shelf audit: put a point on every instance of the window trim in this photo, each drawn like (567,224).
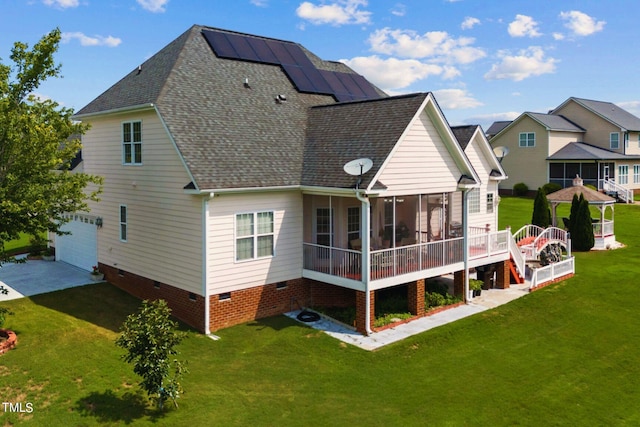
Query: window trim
(122,223)
(255,235)
(617,134)
(132,143)
(636,174)
(491,202)
(623,176)
(530,139)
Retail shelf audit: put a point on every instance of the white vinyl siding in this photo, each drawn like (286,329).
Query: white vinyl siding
(254,235)
(480,159)
(527,139)
(224,273)
(132,143)
(164,225)
(420,163)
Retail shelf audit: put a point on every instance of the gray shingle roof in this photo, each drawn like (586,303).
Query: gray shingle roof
(464,134)
(343,132)
(229,135)
(496,127)
(609,111)
(582,151)
(556,122)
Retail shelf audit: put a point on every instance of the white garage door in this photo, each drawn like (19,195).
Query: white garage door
(80,248)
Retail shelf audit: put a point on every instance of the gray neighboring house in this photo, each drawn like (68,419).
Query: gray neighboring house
(596,140)
(225,192)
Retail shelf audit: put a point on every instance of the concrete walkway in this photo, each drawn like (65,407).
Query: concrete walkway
(38,277)
(489,299)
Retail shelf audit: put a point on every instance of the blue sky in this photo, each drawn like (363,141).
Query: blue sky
(484,60)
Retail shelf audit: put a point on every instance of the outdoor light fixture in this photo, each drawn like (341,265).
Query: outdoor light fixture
(99,222)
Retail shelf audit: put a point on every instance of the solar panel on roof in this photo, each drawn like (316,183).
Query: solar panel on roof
(295,63)
(219,44)
(264,52)
(242,48)
(350,84)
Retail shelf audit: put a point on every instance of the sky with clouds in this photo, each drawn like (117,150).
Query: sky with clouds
(484,61)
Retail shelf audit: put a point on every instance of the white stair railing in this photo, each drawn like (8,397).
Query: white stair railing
(609,186)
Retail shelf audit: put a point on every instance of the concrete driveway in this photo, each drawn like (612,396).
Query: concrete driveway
(38,277)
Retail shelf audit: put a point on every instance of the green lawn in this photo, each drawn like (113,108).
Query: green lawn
(18,245)
(568,354)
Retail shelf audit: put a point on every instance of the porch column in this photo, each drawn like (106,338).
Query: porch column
(415,297)
(503,274)
(361,311)
(459,279)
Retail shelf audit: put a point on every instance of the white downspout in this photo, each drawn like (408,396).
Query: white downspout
(365,215)
(205,287)
(465,240)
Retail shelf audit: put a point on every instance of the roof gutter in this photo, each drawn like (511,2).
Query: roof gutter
(121,110)
(304,188)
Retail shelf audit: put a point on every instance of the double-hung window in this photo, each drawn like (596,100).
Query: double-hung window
(489,202)
(123,223)
(254,235)
(527,139)
(474,201)
(614,140)
(132,143)
(324,226)
(636,174)
(623,174)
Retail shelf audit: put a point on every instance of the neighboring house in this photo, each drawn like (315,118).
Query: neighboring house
(596,140)
(225,193)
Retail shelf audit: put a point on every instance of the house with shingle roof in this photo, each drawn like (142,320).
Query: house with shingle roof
(226,194)
(599,141)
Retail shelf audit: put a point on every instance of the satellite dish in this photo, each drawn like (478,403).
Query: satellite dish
(500,152)
(358,167)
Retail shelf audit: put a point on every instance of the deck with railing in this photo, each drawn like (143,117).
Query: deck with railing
(404,260)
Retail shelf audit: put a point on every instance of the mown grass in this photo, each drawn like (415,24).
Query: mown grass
(568,354)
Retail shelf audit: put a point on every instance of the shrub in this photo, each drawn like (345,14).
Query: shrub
(551,187)
(541,212)
(475,284)
(520,189)
(582,238)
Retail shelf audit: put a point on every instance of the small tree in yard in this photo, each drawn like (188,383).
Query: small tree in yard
(149,336)
(541,212)
(582,238)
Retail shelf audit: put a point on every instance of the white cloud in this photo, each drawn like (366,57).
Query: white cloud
(340,12)
(399,10)
(155,6)
(558,36)
(527,63)
(524,26)
(85,40)
(631,106)
(260,3)
(580,23)
(62,3)
(456,99)
(393,73)
(469,22)
(438,46)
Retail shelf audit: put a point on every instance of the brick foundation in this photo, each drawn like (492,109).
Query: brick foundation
(255,303)
(186,306)
(361,309)
(325,295)
(458,285)
(503,274)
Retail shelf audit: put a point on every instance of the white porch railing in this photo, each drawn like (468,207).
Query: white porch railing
(532,239)
(334,261)
(610,187)
(488,244)
(603,229)
(551,272)
(408,259)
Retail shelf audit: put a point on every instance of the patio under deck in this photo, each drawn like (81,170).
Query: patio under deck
(394,266)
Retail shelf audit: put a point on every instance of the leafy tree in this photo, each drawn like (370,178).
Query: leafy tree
(575,205)
(582,238)
(541,212)
(149,336)
(38,141)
